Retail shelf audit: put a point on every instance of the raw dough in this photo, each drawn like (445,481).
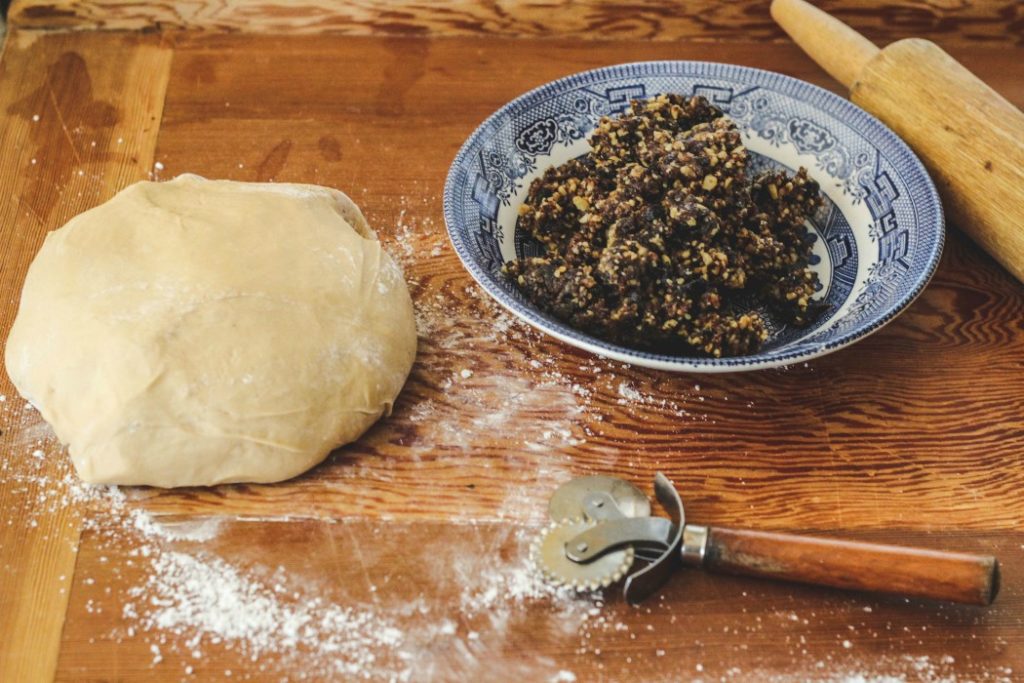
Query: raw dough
(195,332)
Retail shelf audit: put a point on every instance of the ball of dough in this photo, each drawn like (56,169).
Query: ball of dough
(196,332)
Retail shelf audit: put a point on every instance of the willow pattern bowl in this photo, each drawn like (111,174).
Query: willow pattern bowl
(879,231)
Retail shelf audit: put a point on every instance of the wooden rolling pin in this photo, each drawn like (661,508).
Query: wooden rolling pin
(968,135)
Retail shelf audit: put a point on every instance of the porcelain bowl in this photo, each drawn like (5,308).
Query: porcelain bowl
(879,232)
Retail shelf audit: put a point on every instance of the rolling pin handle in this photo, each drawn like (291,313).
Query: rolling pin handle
(840,50)
(914,572)
(970,138)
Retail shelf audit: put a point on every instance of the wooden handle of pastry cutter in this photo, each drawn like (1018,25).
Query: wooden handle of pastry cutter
(957,577)
(969,137)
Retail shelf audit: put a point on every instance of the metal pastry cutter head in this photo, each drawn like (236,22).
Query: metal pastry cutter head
(600,525)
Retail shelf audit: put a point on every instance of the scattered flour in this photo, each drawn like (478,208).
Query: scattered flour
(196,531)
(206,599)
(629,394)
(188,601)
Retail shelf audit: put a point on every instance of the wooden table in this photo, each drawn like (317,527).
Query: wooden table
(404,555)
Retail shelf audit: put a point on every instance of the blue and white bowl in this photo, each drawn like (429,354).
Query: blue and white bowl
(880,231)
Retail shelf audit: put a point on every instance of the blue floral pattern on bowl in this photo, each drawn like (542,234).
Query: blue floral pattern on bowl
(879,233)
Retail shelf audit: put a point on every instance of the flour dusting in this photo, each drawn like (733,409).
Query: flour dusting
(205,599)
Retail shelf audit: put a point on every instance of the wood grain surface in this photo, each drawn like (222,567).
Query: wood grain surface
(702,627)
(912,436)
(80,117)
(999,22)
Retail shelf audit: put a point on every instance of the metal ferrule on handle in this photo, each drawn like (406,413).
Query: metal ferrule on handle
(695,545)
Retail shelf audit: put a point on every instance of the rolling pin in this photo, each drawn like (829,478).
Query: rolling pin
(969,137)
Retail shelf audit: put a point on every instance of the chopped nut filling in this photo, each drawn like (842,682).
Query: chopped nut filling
(657,239)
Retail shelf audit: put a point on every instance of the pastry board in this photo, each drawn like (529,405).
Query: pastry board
(404,556)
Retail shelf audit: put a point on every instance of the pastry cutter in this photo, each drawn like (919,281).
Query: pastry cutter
(602,529)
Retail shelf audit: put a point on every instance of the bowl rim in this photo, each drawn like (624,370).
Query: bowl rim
(868,126)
